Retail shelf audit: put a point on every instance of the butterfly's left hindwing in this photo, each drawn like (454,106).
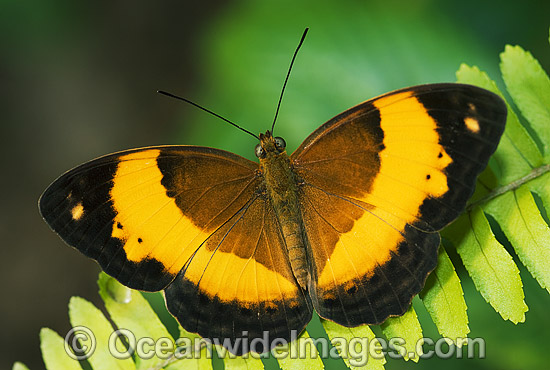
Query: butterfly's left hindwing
(242,275)
(378,182)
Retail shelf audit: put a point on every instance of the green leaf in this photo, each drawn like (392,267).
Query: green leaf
(529,86)
(358,347)
(130,311)
(541,186)
(54,352)
(298,354)
(521,221)
(85,316)
(19,366)
(196,355)
(517,152)
(242,363)
(491,267)
(406,330)
(444,300)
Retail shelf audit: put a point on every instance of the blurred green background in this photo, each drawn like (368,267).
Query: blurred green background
(78,80)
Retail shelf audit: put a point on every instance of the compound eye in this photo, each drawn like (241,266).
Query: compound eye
(280,143)
(259,151)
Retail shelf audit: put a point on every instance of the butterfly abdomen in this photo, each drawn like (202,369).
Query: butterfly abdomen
(280,181)
(292,234)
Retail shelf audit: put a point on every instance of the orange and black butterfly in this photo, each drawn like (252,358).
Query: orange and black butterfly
(347,225)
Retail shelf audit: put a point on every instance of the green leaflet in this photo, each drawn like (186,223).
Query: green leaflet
(517,152)
(193,360)
(299,354)
(20,366)
(407,330)
(492,269)
(84,314)
(356,346)
(529,86)
(521,221)
(444,300)
(250,361)
(130,310)
(53,352)
(541,186)
(242,363)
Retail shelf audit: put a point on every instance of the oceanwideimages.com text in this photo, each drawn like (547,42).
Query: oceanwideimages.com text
(80,343)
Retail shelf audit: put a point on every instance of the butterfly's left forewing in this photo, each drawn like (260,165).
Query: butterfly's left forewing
(378,182)
(142,213)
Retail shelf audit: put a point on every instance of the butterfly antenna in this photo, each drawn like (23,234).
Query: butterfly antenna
(206,110)
(287,76)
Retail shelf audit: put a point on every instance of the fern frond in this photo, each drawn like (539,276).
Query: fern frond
(521,167)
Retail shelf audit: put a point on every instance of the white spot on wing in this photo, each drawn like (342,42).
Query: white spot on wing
(472,124)
(77,212)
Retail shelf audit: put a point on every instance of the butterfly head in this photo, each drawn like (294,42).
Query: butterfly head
(270,146)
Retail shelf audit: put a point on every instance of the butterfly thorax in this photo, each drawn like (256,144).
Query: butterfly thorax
(282,190)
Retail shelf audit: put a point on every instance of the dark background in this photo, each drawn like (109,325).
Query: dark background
(78,80)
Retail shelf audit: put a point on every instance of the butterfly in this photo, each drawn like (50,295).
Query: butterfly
(347,225)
